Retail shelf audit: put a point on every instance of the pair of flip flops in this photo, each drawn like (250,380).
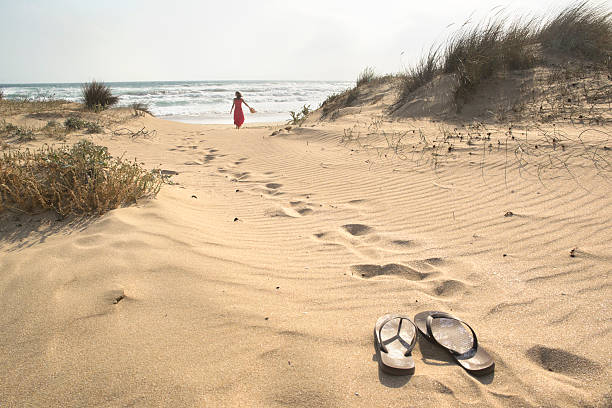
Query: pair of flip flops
(395,336)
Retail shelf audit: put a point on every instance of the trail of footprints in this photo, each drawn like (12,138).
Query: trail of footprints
(264,186)
(429,274)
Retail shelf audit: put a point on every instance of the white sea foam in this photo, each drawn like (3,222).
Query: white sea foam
(200,101)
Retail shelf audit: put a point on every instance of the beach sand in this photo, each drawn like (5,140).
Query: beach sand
(257,277)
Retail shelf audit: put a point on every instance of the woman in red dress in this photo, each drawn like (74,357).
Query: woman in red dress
(238,114)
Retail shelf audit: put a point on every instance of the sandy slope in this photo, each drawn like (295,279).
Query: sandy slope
(277,308)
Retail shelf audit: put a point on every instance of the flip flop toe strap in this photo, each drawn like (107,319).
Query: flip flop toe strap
(457,354)
(402,318)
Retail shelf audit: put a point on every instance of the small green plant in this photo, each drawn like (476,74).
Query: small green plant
(79,179)
(98,96)
(93,127)
(140,109)
(75,123)
(298,117)
(20,133)
(366,76)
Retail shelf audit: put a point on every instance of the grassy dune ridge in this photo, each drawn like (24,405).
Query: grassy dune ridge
(476,52)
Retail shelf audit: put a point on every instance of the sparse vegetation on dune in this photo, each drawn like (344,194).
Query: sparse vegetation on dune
(20,106)
(98,96)
(419,75)
(478,52)
(79,179)
(298,117)
(349,96)
(365,76)
(76,123)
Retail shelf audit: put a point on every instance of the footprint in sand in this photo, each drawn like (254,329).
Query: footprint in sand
(357,230)
(357,238)
(241,177)
(449,288)
(564,362)
(368,271)
(289,212)
(430,273)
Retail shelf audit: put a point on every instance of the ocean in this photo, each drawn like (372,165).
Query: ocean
(200,101)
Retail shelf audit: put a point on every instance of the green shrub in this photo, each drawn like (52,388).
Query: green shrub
(98,96)
(75,123)
(79,179)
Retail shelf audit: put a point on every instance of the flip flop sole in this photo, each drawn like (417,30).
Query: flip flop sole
(394,361)
(452,335)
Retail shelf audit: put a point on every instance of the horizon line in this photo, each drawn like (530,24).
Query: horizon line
(177,81)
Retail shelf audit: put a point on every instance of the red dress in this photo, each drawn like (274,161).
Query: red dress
(238,114)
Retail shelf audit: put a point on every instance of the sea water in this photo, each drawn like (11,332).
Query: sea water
(200,101)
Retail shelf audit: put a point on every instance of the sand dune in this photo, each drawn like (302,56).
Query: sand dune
(257,278)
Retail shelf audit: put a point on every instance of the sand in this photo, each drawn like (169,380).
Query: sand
(257,277)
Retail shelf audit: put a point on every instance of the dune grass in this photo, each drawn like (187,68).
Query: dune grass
(422,73)
(79,179)
(366,76)
(475,53)
(582,30)
(98,96)
(478,53)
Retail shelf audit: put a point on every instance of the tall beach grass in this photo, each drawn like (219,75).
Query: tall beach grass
(479,51)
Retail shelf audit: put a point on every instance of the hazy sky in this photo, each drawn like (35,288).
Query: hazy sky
(128,40)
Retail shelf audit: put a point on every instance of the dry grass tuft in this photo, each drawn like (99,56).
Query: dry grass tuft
(98,96)
(581,30)
(365,77)
(140,109)
(79,179)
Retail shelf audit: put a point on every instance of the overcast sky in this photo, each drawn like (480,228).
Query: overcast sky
(130,40)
